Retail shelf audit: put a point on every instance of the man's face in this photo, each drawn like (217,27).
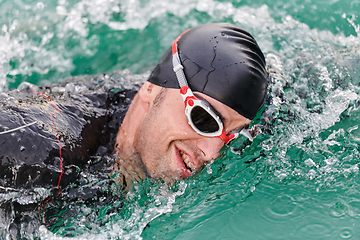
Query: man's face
(169,147)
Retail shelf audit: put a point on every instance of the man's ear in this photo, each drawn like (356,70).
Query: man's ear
(148,92)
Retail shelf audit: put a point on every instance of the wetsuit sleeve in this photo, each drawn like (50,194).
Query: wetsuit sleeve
(45,140)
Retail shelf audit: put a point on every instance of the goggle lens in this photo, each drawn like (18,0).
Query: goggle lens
(203,120)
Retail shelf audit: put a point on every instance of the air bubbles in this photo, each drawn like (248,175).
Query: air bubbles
(309,162)
(40,5)
(208,168)
(61,10)
(40,126)
(311,174)
(116,9)
(288,18)
(3,96)
(4,28)
(346,233)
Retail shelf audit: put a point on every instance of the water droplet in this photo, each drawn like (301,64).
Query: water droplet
(27,87)
(283,205)
(70,88)
(208,169)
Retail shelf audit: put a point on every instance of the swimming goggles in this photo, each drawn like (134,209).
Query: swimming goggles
(201,116)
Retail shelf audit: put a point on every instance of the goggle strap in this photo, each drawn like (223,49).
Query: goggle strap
(187,95)
(229,137)
(233,135)
(178,69)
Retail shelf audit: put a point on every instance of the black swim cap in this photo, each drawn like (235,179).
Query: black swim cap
(222,61)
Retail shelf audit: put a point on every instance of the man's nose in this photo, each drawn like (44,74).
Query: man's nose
(210,147)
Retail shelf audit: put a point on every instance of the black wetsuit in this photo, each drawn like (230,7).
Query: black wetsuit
(48,135)
(51,137)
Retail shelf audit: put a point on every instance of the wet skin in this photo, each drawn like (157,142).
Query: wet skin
(163,141)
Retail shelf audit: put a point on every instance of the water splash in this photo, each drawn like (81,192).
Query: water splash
(46,41)
(160,200)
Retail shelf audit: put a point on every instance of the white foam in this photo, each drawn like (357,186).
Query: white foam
(132,227)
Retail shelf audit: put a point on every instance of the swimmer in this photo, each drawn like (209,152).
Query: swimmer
(202,94)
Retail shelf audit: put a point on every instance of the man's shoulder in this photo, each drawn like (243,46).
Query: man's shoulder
(45,127)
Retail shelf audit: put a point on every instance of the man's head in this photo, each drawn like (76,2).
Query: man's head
(224,66)
(222,61)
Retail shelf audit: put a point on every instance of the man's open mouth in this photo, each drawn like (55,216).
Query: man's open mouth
(188,164)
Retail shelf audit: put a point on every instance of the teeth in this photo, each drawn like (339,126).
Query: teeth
(189,165)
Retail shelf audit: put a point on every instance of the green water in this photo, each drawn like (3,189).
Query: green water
(299,179)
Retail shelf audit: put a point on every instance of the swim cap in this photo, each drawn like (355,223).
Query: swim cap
(222,61)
